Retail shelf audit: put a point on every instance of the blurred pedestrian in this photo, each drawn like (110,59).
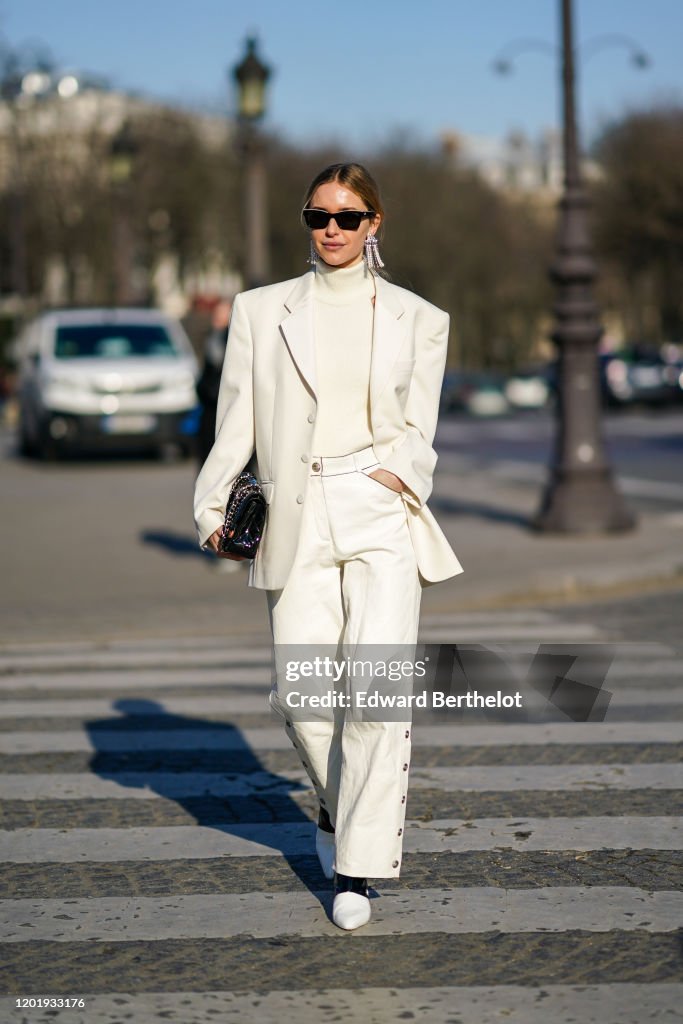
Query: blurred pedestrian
(333,380)
(209,381)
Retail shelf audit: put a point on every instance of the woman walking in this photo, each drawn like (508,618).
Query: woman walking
(333,380)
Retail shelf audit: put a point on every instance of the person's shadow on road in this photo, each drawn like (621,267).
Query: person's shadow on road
(478,510)
(203,773)
(179,545)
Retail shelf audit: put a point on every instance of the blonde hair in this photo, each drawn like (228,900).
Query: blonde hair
(357,178)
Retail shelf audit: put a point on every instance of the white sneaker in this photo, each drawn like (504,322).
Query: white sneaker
(324,847)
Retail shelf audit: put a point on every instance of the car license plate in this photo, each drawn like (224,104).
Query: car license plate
(140,424)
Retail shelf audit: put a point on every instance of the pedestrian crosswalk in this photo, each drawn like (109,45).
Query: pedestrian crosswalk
(157,857)
(475,1004)
(476,909)
(215,737)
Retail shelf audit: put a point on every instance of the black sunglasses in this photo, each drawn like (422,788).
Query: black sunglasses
(346,220)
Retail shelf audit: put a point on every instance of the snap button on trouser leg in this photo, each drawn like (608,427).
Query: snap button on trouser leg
(354,581)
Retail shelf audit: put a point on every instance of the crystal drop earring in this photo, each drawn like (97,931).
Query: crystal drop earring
(371,253)
(312,255)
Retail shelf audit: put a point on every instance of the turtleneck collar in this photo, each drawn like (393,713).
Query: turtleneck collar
(341,286)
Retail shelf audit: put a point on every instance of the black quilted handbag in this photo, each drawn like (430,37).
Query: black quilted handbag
(244,517)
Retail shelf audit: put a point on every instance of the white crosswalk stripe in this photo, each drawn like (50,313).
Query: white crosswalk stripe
(105,701)
(619,1003)
(253,703)
(52,845)
(472,779)
(122,681)
(217,737)
(264,915)
(636,667)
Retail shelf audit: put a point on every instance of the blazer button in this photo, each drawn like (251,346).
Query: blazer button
(299,499)
(394,863)
(311,417)
(304,457)
(315,466)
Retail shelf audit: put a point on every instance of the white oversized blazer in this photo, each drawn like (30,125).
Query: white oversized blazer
(267,403)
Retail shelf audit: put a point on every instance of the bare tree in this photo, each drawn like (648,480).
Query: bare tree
(448,236)
(639,221)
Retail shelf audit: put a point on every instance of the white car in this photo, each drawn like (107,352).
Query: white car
(527,391)
(104,378)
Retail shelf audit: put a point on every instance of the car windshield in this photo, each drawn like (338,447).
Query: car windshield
(112,341)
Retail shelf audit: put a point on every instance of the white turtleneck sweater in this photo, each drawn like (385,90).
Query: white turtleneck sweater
(342,322)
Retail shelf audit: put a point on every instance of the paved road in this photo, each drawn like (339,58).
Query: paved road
(106,548)
(157,843)
(645,449)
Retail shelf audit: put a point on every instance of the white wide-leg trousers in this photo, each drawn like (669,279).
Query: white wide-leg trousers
(354,581)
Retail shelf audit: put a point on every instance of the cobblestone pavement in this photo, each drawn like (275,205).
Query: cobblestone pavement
(158,863)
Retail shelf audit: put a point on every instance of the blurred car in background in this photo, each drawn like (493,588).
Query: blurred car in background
(639,375)
(477,392)
(675,378)
(99,379)
(636,376)
(487,393)
(530,387)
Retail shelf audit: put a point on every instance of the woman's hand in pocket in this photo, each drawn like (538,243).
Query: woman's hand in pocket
(214,540)
(390,480)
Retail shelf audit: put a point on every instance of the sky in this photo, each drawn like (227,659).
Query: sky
(361,71)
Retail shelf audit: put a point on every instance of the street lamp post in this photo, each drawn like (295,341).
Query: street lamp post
(122,153)
(11,93)
(581,495)
(251,76)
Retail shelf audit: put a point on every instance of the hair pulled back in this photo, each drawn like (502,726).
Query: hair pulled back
(355,177)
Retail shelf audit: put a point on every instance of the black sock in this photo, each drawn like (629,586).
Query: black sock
(350,883)
(324,820)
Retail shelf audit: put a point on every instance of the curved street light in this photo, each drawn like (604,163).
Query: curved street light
(581,495)
(503,63)
(639,58)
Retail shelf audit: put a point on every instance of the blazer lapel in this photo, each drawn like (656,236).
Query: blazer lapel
(387,340)
(388,336)
(297,327)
